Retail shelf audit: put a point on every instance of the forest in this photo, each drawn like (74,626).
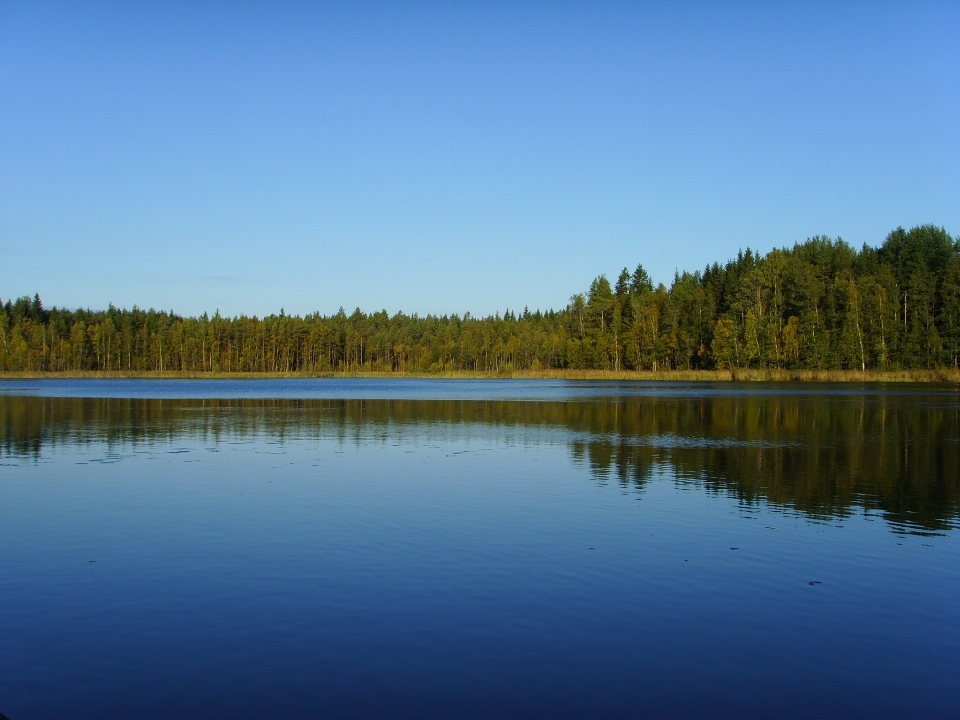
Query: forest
(819,305)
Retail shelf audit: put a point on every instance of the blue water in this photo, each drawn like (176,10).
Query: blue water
(448,389)
(477,549)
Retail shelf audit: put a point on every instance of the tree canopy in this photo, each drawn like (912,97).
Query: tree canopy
(819,305)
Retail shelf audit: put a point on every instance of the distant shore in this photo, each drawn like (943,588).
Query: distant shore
(942,375)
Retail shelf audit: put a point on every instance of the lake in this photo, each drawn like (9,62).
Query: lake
(446,548)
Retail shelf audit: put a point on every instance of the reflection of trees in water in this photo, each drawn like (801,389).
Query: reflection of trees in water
(823,455)
(818,481)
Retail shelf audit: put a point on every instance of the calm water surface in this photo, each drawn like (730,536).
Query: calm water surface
(355,548)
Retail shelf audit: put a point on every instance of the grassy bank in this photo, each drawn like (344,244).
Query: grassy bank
(943,375)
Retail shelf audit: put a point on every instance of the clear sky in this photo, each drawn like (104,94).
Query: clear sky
(451,157)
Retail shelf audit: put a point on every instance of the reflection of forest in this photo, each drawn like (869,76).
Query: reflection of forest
(822,455)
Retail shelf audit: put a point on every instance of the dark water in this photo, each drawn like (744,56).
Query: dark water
(478,549)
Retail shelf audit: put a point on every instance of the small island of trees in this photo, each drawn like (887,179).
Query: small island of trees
(821,305)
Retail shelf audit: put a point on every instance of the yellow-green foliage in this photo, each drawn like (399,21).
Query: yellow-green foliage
(819,306)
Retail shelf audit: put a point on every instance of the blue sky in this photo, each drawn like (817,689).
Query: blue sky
(452,157)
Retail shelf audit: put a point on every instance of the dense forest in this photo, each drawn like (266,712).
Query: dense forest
(819,305)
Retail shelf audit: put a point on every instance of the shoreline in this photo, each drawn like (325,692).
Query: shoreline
(942,375)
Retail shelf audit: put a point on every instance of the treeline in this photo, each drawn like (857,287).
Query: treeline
(820,305)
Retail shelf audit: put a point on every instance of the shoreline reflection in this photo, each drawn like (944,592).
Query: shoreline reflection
(823,456)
